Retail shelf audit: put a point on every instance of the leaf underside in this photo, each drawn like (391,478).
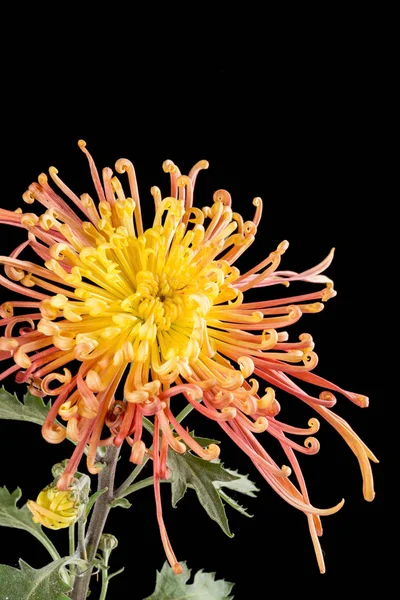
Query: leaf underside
(175,587)
(27,583)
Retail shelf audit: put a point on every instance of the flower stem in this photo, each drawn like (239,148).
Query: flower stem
(104,576)
(121,491)
(104,585)
(71,538)
(140,485)
(184,412)
(97,521)
(81,538)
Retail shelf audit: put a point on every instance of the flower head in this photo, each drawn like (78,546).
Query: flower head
(55,508)
(163,311)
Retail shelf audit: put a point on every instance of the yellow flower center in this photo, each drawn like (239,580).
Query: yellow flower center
(140,299)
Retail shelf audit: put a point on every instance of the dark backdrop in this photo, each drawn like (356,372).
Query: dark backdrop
(298,133)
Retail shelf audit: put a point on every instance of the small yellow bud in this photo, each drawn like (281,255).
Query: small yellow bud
(55,509)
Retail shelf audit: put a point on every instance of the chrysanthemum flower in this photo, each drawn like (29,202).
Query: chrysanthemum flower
(163,311)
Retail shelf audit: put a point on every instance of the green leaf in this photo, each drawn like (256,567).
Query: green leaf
(175,587)
(93,498)
(116,573)
(188,470)
(27,583)
(32,409)
(122,502)
(241,483)
(234,504)
(148,425)
(21,518)
(202,441)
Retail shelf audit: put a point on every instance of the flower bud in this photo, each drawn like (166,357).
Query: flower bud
(55,509)
(108,542)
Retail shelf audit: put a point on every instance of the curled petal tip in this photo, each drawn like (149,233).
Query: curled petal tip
(246,366)
(42,179)
(54,434)
(177,569)
(329,292)
(222,196)
(122,165)
(183,181)
(286,471)
(168,166)
(213,451)
(314,425)
(64,482)
(362,401)
(180,448)
(328,397)
(95,468)
(312,444)
(28,197)
(138,452)
(229,412)
(261,424)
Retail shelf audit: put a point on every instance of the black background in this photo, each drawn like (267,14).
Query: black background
(292,123)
